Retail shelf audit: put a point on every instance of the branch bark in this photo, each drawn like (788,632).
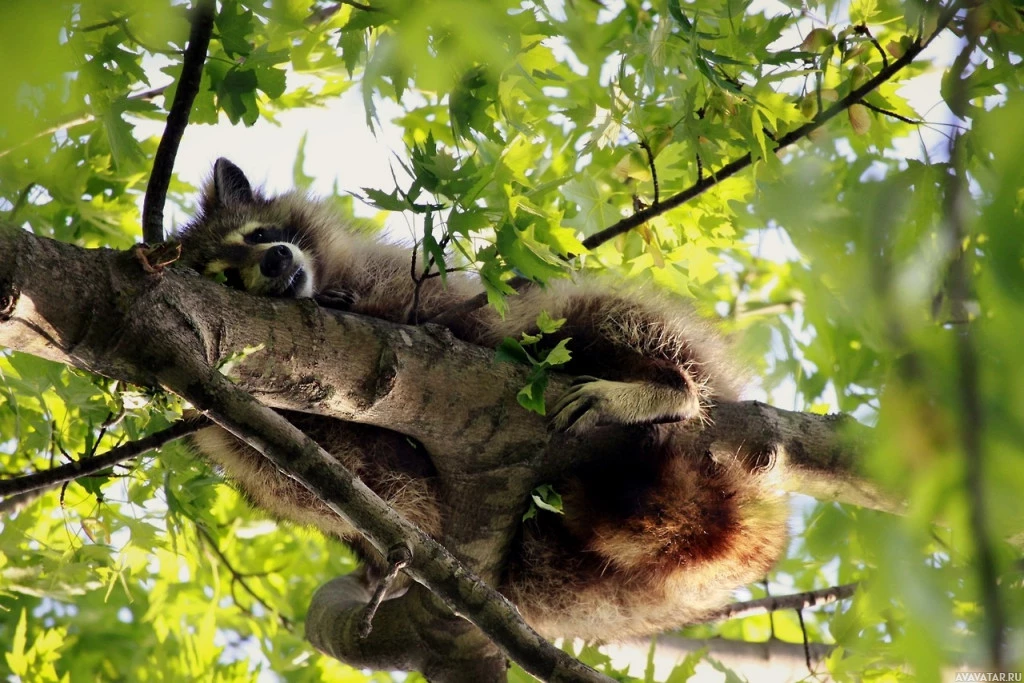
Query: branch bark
(98,310)
(774,603)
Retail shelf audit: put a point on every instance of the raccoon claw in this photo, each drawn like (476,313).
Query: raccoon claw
(337,299)
(590,402)
(583,406)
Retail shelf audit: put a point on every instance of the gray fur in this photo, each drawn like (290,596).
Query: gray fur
(650,539)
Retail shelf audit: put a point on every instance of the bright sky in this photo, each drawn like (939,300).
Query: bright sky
(339,147)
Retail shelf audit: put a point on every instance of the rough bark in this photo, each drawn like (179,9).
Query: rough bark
(99,310)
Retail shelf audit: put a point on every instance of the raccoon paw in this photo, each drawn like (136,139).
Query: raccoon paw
(591,402)
(584,405)
(337,299)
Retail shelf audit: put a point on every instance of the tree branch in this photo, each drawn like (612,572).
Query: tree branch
(85,466)
(737,165)
(705,183)
(100,311)
(239,578)
(797,601)
(177,119)
(173,330)
(431,564)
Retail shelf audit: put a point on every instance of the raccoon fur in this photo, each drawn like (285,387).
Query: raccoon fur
(651,538)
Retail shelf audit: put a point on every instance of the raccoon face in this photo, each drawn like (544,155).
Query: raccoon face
(264,260)
(246,241)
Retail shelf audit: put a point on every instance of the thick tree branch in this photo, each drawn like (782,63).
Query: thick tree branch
(432,565)
(177,118)
(98,310)
(142,328)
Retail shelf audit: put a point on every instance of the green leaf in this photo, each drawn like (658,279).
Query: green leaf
(531,396)
(559,355)
(234,25)
(545,497)
(677,14)
(546,324)
(387,201)
(236,95)
(511,351)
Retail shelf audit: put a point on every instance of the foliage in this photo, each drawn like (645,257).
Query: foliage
(531,126)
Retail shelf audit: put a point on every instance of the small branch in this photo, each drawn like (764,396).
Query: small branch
(399,558)
(239,579)
(705,183)
(86,466)
(103,24)
(20,201)
(177,119)
(737,165)
(770,604)
(432,565)
(654,170)
(863,30)
(807,641)
(891,114)
(79,119)
(16,503)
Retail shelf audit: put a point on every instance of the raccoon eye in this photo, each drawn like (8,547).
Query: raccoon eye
(256,236)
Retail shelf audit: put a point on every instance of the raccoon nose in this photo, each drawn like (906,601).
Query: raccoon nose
(276,261)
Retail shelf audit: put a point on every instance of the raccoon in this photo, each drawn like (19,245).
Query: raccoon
(650,539)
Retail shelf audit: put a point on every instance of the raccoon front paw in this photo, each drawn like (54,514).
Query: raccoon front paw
(586,404)
(591,402)
(338,299)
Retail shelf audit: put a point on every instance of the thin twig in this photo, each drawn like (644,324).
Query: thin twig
(239,579)
(863,30)
(770,604)
(399,558)
(85,466)
(892,114)
(20,201)
(79,119)
(807,641)
(177,120)
(329,11)
(14,504)
(102,24)
(654,170)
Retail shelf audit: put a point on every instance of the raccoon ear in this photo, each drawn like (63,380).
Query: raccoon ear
(228,187)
